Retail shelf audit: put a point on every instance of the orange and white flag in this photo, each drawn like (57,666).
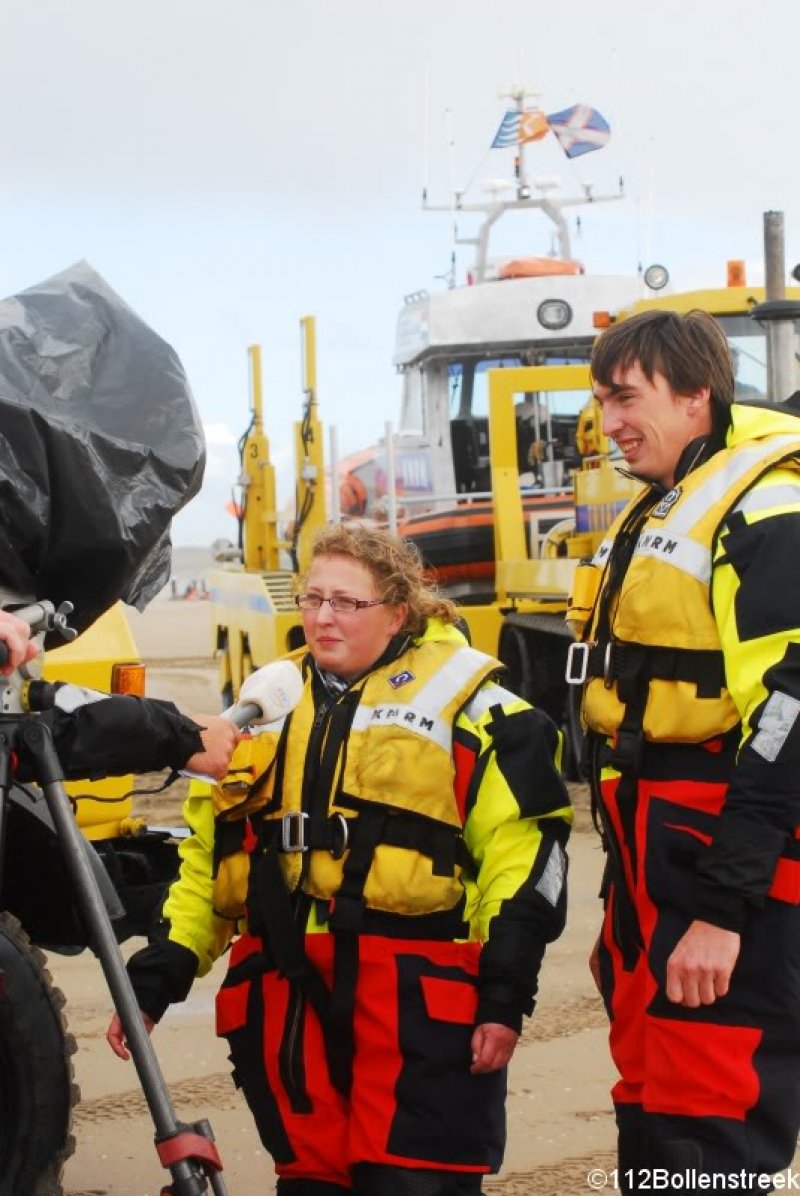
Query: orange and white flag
(533,125)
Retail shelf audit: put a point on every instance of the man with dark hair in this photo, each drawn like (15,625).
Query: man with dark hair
(690,658)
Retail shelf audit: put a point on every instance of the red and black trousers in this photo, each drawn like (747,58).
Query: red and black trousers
(714,1089)
(411,1103)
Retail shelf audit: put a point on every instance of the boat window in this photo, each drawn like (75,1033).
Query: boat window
(547,424)
(412,405)
(748,342)
(469,387)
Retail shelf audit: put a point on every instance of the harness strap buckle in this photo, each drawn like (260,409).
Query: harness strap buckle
(293,826)
(577,667)
(339,821)
(608,665)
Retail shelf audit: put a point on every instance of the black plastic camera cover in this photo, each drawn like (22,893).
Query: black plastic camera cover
(100,446)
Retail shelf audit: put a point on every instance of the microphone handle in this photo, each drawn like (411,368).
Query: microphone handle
(242,713)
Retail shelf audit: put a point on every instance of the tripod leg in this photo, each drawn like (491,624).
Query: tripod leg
(189,1177)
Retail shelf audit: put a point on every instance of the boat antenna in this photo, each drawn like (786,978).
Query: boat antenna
(426,131)
(519,94)
(649,201)
(451,169)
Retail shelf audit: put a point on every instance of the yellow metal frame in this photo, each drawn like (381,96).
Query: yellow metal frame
(538,585)
(515,574)
(260,541)
(103,807)
(718,301)
(253,614)
(309,454)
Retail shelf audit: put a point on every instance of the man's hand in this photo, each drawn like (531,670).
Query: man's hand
(16,635)
(594,964)
(220,737)
(492,1047)
(115,1035)
(699,969)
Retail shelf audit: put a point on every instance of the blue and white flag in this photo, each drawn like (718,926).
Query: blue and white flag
(508,133)
(579,130)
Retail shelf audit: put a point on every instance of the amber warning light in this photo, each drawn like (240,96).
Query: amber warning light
(736,273)
(128,679)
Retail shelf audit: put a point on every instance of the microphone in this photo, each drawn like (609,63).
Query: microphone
(267,695)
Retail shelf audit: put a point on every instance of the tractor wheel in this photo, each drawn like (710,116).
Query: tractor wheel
(514,655)
(535,661)
(37,1093)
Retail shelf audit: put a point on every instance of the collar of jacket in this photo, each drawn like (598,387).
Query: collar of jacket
(435,629)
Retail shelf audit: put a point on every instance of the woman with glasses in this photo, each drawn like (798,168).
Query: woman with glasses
(392,858)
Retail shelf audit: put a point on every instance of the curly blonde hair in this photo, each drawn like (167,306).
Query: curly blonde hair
(394,563)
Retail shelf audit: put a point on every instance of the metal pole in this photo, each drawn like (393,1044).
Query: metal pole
(391,479)
(780,333)
(523,190)
(333,449)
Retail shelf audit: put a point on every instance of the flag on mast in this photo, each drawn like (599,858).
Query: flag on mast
(579,130)
(508,133)
(516,126)
(533,125)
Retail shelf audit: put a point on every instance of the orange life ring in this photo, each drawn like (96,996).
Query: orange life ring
(538,267)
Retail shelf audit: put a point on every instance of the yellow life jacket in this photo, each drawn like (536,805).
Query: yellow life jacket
(386,744)
(664,635)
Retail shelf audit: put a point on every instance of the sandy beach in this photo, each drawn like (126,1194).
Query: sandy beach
(559,1112)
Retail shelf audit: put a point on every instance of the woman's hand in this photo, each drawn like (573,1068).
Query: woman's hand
(115,1035)
(492,1047)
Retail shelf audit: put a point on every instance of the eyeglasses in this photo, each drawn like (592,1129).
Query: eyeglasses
(340,604)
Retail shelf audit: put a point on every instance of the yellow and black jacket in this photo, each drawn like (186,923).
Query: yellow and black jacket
(429,802)
(695,634)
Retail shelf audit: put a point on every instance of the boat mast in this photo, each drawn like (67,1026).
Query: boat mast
(518,94)
(550,205)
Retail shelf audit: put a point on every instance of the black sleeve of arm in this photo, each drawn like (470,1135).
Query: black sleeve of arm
(762,805)
(120,735)
(512,957)
(162,973)
(533,914)
(762,809)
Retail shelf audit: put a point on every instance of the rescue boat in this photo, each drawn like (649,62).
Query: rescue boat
(457,543)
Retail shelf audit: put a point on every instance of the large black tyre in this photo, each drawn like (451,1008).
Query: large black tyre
(515,656)
(37,1093)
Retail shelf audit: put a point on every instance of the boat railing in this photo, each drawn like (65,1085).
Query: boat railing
(471,496)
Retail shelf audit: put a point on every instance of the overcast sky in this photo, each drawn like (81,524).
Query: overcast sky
(230,165)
